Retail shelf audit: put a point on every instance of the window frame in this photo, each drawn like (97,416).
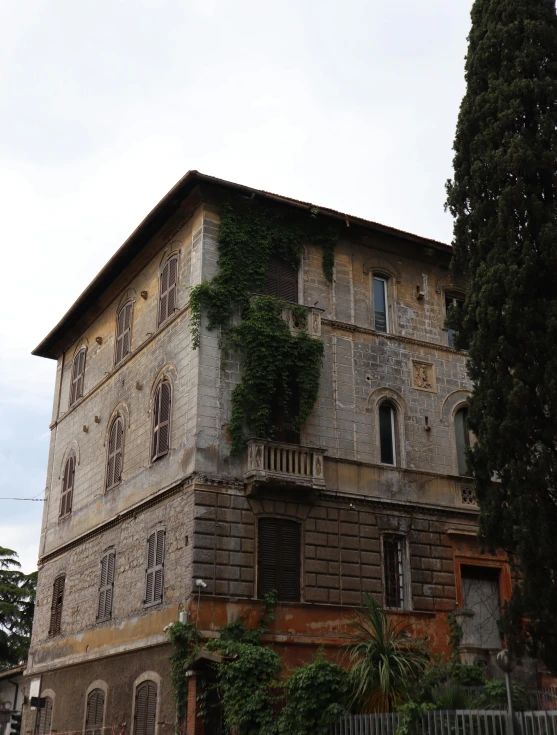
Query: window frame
(94,730)
(120,337)
(454,296)
(40,727)
(384,279)
(393,432)
(279,567)
(138,687)
(57,605)
(466,440)
(117,420)
(156,567)
(66,491)
(170,289)
(284,273)
(108,572)
(77,379)
(156,452)
(405,583)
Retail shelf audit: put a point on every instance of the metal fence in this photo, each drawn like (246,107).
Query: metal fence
(452,722)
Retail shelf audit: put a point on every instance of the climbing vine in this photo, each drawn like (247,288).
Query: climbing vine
(280,370)
(185,639)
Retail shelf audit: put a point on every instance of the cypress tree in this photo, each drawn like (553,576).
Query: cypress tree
(503,197)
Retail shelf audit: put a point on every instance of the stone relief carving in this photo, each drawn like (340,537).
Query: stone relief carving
(423,376)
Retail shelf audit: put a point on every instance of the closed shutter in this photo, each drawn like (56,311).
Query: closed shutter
(155,568)
(43,722)
(78,373)
(282,280)
(123,331)
(57,604)
(95,713)
(161,420)
(167,289)
(115,449)
(106,589)
(279,558)
(145,709)
(66,496)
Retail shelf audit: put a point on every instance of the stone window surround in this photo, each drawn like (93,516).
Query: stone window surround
(147,676)
(398,526)
(374,400)
(97,684)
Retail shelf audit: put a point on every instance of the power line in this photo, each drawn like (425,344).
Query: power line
(36,500)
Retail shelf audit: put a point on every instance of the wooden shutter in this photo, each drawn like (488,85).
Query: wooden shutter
(57,604)
(282,280)
(161,420)
(95,713)
(43,722)
(106,588)
(78,373)
(167,289)
(66,496)
(155,568)
(279,558)
(123,331)
(115,450)
(145,708)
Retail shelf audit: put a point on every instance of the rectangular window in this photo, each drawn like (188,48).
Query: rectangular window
(106,589)
(380,304)
(393,571)
(279,558)
(155,568)
(78,376)
(282,280)
(56,607)
(387,433)
(450,303)
(480,595)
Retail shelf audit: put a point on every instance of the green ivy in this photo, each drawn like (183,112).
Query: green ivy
(276,364)
(185,639)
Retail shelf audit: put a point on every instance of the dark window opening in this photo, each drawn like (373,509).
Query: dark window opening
(279,558)
(282,280)
(387,433)
(462,437)
(381,319)
(393,569)
(283,417)
(451,303)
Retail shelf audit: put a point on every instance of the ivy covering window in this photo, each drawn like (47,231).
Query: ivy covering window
(78,375)
(387,434)
(145,709)
(106,588)
(167,289)
(282,280)
(95,713)
(115,453)
(161,420)
(393,571)
(380,310)
(66,496)
(124,331)
(279,558)
(57,605)
(462,439)
(154,576)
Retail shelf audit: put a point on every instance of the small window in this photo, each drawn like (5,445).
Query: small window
(115,450)
(462,438)
(452,302)
(167,289)
(124,332)
(43,722)
(380,309)
(66,496)
(282,280)
(78,374)
(279,558)
(387,434)
(106,588)
(57,604)
(95,713)
(154,577)
(145,709)
(161,420)
(393,571)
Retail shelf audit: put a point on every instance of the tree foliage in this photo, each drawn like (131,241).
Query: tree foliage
(504,200)
(17,604)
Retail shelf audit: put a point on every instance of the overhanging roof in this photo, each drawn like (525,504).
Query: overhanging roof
(50,345)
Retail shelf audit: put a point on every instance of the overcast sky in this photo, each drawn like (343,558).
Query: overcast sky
(104,105)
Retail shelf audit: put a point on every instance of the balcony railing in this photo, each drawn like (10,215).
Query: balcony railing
(290,464)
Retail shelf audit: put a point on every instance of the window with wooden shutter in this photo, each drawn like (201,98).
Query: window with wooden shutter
(167,289)
(154,577)
(279,558)
(57,604)
(43,723)
(145,709)
(95,713)
(106,588)
(115,453)
(394,571)
(78,375)
(161,420)
(66,496)
(124,332)
(282,280)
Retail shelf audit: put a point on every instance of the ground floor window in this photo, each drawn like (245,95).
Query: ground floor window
(481,595)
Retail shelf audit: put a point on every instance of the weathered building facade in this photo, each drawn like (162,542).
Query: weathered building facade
(143,498)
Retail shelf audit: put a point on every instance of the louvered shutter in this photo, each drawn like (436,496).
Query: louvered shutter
(78,371)
(115,449)
(123,331)
(279,558)
(282,280)
(57,604)
(95,713)
(66,496)
(43,722)
(145,709)
(155,567)
(106,588)
(168,286)
(161,424)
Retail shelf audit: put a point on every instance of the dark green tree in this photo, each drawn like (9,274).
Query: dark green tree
(17,604)
(504,200)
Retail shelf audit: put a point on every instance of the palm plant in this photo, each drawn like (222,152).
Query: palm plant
(384,661)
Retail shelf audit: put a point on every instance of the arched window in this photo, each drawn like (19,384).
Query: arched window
(57,605)
(115,450)
(282,280)
(145,709)
(124,332)
(387,433)
(78,374)
(66,496)
(380,304)
(106,588)
(167,289)
(43,722)
(95,713)
(462,440)
(161,420)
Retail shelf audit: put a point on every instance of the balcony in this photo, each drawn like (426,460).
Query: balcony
(311,323)
(277,463)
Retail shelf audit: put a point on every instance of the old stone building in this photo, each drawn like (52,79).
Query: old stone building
(143,498)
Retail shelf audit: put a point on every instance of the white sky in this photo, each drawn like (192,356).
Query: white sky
(104,105)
